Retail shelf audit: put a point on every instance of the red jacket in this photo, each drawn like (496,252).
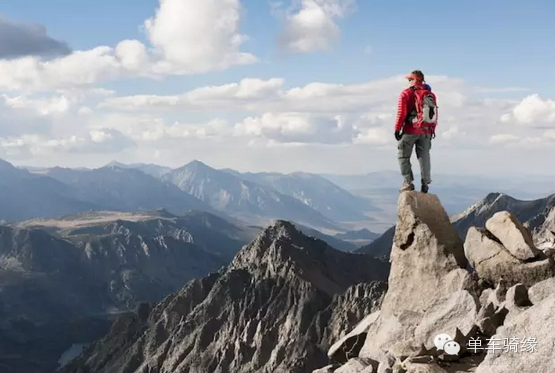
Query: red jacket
(405,106)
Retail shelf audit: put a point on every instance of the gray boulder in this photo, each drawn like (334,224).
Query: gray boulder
(542,290)
(513,235)
(492,261)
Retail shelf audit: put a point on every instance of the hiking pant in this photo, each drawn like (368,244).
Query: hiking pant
(423,145)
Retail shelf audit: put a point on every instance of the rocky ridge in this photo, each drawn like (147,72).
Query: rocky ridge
(275,308)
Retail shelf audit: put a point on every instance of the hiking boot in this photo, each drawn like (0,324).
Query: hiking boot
(424,188)
(406,187)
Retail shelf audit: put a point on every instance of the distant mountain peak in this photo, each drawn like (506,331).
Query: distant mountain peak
(281,250)
(495,196)
(197,163)
(275,246)
(195,166)
(5,165)
(115,164)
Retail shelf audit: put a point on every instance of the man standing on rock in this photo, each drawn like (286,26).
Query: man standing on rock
(415,127)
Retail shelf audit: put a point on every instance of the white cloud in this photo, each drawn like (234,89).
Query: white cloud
(532,110)
(452,132)
(80,68)
(192,36)
(313,25)
(133,56)
(187,37)
(375,136)
(251,89)
(84,110)
(244,94)
(297,128)
(503,138)
(44,107)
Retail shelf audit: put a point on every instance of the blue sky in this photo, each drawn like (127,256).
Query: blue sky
(460,45)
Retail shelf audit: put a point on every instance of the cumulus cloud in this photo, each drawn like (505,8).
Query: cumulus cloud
(21,39)
(297,128)
(532,110)
(186,37)
(78,69)
(312,25)
(192,36)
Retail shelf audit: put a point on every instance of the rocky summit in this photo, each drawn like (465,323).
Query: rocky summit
(276,308)
(536,215)
(489,297)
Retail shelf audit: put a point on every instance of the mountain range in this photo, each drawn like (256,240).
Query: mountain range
(256,199)
(290,303)
(275,308)
(315,191)
(243,198)
(76,272)
(333,204)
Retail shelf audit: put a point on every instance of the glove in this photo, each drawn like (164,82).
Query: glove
(398,135)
